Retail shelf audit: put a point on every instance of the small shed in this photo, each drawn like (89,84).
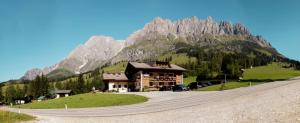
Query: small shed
(62,93)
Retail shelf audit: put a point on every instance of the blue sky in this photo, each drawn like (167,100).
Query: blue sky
(39,33)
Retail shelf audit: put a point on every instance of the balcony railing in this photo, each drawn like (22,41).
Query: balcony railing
(163,78)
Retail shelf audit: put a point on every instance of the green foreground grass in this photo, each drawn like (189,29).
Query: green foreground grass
(86,100)
(258,75)
(11,117)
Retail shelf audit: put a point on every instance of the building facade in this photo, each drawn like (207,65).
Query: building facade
(152,76)
(145,76)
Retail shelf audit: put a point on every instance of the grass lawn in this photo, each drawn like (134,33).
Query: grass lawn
(258,75)
(189,79)
(271,72)
(11,117)
(86,100)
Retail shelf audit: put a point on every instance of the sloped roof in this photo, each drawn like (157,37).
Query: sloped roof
(139,65)
(115,76)
(62,91)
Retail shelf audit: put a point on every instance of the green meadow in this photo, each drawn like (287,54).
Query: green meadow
(86,100)
(255,76)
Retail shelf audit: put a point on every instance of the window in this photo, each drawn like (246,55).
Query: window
(125,86)
(151,83)
(119,86)
(114,86)
(161,83)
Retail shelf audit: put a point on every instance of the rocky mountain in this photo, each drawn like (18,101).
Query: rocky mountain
(95,52)
(162,35)
(157,38)
(193,27)
(92,54)
(31,74)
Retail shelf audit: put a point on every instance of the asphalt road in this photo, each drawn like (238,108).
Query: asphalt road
(171,104)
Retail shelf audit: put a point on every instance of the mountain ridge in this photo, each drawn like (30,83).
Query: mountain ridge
(100,50)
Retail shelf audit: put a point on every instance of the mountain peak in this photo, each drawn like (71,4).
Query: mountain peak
(158,19)
(240,29)
(194,18)
(209,19)
(94,40)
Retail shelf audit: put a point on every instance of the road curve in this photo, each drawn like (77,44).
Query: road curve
(160,102)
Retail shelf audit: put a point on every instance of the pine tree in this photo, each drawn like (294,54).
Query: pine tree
(68,84)
(87,87)
(10,93)
(34,87)
(37,88)
(51,86)
(25,89)
(80,84)
(44,85)
(1,93)
(58,85)
(19,92)
(97,82)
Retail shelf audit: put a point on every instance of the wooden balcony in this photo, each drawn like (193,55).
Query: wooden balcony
(162,78)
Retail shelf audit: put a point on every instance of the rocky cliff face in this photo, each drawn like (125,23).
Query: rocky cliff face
(85,57)
(160,35)
(31,74)
(93,53)
(193,27)
(157,37)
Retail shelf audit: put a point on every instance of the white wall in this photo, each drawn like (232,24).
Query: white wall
(122,89)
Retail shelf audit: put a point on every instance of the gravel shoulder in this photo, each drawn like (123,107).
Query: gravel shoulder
(270,102)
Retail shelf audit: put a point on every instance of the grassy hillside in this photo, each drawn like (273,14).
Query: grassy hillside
(271,72)
(259,75)
(179,59)
(118,67)
(15,85)
(87,100)
(11,117)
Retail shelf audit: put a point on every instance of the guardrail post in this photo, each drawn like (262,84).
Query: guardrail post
(66,106)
